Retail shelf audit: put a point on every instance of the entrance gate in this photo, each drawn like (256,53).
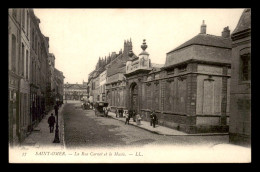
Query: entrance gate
(134,97)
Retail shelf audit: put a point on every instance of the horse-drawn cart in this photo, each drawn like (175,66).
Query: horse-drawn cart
(99,108)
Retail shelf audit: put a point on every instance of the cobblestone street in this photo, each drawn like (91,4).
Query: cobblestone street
(83,129)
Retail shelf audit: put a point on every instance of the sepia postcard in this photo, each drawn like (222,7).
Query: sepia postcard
(129,85)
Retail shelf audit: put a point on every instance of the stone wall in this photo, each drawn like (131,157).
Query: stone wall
(240,95)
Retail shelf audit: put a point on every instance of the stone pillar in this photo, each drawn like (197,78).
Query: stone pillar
(127,95)
(223,118)
(162,90)
(139,103)
(191,94)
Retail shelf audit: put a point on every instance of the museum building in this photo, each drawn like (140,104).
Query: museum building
(191,91)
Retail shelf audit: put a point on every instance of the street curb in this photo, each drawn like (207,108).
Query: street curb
(154,132)
(62,126)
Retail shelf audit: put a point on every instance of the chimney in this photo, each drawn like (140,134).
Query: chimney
(113,54)
(203,28)
(226,32)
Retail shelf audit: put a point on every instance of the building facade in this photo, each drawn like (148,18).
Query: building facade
(50,90)
(36,91)
(102,87)
(14,76)
(191,91)
(240,117)
(116,81)
(75,91)
(59,85)
(27,72)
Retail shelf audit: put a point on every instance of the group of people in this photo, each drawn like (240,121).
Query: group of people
(137,118)
(132,114)
(51,119)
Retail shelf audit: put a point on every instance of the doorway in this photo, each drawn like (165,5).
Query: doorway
(134,97)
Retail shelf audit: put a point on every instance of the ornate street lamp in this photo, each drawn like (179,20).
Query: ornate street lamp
(57,138)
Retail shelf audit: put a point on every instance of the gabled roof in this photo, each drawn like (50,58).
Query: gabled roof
(206,39)
(155,65)
(244,21)
(114,67)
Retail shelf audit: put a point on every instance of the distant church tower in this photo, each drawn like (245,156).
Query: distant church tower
(127,47)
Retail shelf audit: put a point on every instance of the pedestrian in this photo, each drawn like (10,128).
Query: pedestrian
(117,112)
(56,108)
(154,119)
(127,118)
(134,115)
(121,112)
(124,113)
(105,111)
(138,119)
(151,118)
(51,122)
(130,113)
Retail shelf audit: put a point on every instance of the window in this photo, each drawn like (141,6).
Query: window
(245,67)
(13,62)
(28,23)
(32,38)
(22,61)
(27,64)
(35,76)
(23,18)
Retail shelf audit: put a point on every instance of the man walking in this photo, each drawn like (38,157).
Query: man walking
(151,118)
(134,115)
(51,122)
(154,118)
(127,118)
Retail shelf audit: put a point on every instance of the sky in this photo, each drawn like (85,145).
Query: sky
(78,37)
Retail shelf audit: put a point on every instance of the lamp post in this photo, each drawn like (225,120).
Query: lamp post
(57,138)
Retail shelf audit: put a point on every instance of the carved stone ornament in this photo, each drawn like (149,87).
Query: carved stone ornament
(148,83)
(139,79)
(209,78)
(181,78)
(170,80)
(156,82)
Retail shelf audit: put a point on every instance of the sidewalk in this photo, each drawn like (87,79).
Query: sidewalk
(41,136)
(161,129)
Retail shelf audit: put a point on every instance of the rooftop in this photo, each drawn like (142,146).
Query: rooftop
(206,39)
(244,21)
